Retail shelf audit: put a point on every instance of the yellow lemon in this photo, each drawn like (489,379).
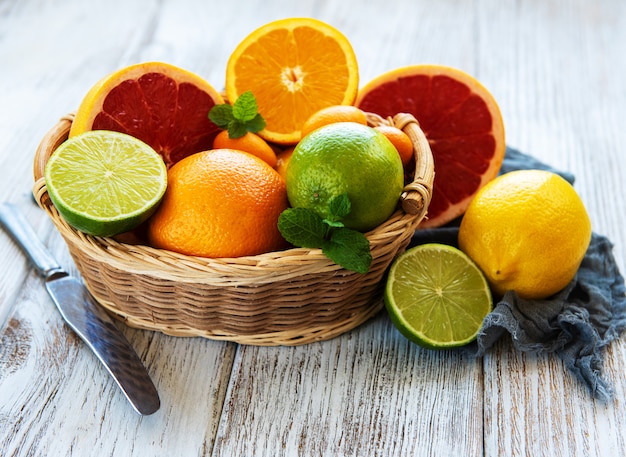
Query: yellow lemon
(527,231)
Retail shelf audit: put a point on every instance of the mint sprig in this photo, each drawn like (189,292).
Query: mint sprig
(239,118)
(305,228)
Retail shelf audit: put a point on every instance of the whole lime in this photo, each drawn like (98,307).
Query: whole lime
(346,158)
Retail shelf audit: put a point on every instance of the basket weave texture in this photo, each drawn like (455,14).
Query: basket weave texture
(289,297)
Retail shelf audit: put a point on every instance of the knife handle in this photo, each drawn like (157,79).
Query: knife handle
(18,227)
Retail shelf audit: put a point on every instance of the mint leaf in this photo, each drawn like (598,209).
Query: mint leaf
(240,118)
(245,107)
(221,115)
(335,224)
(236,129)
(302,227)
(350,249)
(340,206)
(346,247)
(256,124)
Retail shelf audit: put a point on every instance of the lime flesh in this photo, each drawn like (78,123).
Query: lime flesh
(437,297)
(104,183)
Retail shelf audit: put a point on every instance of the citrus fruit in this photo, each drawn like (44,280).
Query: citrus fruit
(162,105)
(282,160)
(346,158)
(332,114)
(436,296)
(461,121)
(250,142)
(528,231)
(105,183)
(400,140)
(294,67)
(220,203)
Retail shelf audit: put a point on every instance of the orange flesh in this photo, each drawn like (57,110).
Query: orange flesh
(293,71)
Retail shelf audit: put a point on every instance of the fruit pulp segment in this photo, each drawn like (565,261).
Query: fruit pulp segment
(439,296)
(296,71)
(170,117)
(106,180)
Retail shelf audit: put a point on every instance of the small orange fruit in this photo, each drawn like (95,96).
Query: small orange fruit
(400,140)
(220,203)
(282,160)
(294,67)
(250,142)
(332,114)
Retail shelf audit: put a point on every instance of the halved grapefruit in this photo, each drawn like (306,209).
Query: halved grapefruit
(162,105)
(461,120)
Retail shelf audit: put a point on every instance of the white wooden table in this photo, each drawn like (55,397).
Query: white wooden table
(556,68)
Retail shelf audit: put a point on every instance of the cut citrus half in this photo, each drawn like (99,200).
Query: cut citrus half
(294,67)
(436,296)
(461,121)
(104,183)
(163,105)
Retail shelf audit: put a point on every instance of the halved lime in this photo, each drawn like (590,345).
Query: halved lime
(436,296)
(104,183)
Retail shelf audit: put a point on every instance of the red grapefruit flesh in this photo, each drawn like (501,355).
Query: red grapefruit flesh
(462,122)
(163,105)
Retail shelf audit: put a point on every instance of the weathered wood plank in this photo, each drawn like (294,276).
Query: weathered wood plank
(370,392)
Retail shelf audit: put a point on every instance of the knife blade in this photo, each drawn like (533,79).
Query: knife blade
(82,313)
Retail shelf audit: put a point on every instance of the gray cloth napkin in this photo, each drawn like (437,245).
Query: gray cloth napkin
(576,324)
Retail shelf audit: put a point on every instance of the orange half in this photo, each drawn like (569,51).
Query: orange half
(294,67)
(163,105)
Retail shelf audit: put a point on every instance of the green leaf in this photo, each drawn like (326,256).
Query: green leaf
(350,249)
(302,227)
(221,115)
(340,206)
(240,118)
(334,224)
(256,124)
(236,129)
(245,107)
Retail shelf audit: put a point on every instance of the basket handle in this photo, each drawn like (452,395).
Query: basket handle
(418,193)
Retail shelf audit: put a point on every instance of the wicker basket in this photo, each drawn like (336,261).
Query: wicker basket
(289,297)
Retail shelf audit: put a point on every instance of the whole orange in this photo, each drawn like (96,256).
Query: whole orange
(331,115)
(220,203)
(400,140)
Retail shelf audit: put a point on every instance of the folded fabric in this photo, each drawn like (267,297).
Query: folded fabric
(576,324)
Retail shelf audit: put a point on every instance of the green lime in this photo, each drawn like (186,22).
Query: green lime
(346,158)
(436,296)
(104,183)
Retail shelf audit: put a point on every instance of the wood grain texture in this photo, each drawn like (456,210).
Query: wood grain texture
(556,68)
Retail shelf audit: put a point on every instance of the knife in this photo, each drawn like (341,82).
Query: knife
(82,313)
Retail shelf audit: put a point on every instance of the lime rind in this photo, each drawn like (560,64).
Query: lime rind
(104,183)
(437,297)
